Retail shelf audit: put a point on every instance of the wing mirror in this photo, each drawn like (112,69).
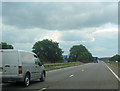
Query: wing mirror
(42,63)
(39,64)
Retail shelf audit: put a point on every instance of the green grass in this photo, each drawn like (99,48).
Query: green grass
(0,70)
(61,65)
(114,64)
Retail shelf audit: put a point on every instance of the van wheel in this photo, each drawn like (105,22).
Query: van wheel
(42,79)
(27,80)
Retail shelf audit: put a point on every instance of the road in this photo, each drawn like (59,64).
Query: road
(87,76)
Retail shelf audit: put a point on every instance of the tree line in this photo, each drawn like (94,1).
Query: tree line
(80,53)
(4,45)
(115,58)
(49,51)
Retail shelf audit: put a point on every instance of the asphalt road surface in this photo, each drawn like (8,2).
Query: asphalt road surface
(87,76)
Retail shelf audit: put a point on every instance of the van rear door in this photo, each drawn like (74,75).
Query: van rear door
(10,63)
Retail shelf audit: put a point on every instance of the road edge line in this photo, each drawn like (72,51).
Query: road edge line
(113,72)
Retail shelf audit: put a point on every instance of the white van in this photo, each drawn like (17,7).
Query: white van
(22,66)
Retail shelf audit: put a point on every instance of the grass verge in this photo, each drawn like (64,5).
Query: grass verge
(61,65)
(114,64)
(52,66)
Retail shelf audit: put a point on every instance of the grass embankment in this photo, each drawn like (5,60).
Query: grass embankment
(114,64)
(52,66)
(0,70)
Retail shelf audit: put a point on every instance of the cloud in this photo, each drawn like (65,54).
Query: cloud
(91,24)
(0,21)
(101,41)
(51,35)
(92,40)
(109,32)
(78,35)
(14,35)
(58,16)
(23,46)
(107,28)
(97,40)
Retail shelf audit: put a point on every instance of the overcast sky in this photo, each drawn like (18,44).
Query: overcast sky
(95,25)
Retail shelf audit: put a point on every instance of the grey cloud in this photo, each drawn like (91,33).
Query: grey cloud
(104,45)
(74,36)
(21,20)
(16,35)
(61,16)
(23,46)
(78,35)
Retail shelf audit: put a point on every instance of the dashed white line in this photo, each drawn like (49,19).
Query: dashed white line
(113,73)
(82,70)
(71,75)
(42,89)
(65,68)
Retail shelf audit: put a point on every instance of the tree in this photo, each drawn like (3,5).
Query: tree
(4,45)
(80,53)
(48,50)
(115,58)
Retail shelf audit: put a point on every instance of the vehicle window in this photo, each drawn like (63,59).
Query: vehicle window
(36,62)
(35,56)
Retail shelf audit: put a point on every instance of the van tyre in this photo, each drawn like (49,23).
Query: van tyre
(27,80)
(42,79)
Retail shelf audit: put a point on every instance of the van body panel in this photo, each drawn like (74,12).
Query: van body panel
(10,63)
(12,59)
(28,65)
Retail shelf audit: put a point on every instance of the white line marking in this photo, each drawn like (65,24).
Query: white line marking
(82,70)
(68,67)
(71,75)
(42,89)
(63,68)
(113,73)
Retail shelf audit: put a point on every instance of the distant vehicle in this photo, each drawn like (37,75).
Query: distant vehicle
(65,58)
(95,59)
(21,66)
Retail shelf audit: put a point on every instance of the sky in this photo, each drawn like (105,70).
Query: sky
(92,24)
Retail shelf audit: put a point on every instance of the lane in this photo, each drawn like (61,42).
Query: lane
(94,76)
(56,76)
(52,78)
(113,72)
(88,76)
(0,81)
(113,68)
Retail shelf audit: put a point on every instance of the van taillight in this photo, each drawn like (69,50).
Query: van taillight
(20,69)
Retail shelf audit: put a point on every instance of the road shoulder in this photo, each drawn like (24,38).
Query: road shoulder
(114,69)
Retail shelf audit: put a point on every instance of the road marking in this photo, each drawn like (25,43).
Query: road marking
(67,68)
(63,68)
(42,89)
(82,70)
(71,75)
(113,73)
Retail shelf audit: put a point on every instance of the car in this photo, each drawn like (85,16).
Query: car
(21,66)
